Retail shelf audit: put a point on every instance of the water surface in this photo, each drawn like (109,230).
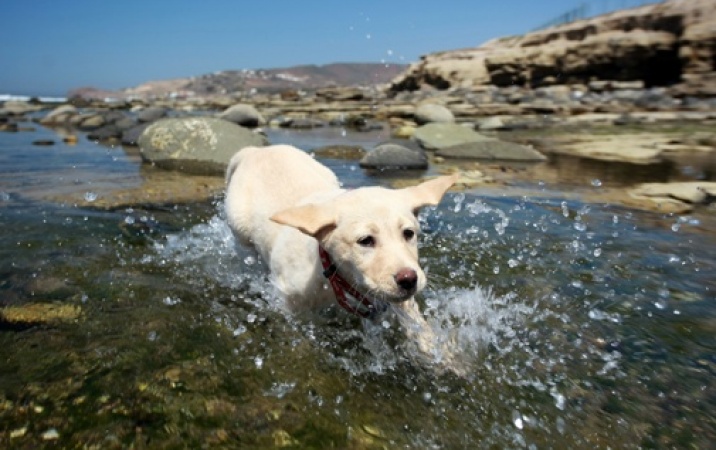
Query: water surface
(581,326)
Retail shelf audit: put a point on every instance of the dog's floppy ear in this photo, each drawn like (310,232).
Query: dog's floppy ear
(309,219)
(430,192)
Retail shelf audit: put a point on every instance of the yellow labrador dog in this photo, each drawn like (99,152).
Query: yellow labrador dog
(324,244)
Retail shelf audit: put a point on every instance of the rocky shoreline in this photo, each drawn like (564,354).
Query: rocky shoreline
(430,131)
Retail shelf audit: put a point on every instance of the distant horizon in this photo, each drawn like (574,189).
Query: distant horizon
(53,47)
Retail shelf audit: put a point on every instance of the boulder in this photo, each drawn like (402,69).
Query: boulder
(197,145)
(491,149)
(109,131)
(394,156)
(429,112)
(18,108)
(91,122)
(434,136)
(244,115)
(692,192)
(59,115)
(152,114)
(131,135)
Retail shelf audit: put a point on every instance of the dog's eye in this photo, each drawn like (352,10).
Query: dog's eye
(408,234)
(366,241)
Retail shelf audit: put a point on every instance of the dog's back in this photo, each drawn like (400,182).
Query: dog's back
(264,180)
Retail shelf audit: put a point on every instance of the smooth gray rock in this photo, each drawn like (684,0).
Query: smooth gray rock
(429,113)
(197,145)
(434,136)
(244,115)
(493,150)
(151,114)
(394,156)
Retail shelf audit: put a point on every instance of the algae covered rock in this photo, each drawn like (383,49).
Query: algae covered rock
(197,145)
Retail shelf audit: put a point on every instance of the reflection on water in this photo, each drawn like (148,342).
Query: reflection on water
(582,326)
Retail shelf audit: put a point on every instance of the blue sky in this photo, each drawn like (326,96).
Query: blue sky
(51,46)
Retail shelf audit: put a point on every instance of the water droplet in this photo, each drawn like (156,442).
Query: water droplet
(597,252)
(560,425)
(385,324)
(517,420)
(90,196)
(249,260)
(251,318)
(259,362)
(596,182)
(559,400)
(565,209)
(238,331)
(50,435)
(171,301)
(580,226)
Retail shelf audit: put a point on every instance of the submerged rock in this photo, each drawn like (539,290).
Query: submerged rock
(491,149)
(40,313)
(394,156)
(434,136)
(198,145)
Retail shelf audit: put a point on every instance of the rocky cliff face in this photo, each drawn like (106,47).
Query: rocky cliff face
(672,43)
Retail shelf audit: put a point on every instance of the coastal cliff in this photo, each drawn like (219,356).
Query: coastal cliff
(672,43)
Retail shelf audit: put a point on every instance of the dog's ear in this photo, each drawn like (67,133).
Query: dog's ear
(309,219)
(430,192)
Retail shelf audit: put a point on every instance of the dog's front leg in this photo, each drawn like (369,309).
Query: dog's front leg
(419,331)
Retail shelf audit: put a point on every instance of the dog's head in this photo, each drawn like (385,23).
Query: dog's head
(371,233)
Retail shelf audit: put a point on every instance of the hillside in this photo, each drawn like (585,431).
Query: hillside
(308,77)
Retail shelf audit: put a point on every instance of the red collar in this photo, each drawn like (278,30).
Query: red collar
(363,306)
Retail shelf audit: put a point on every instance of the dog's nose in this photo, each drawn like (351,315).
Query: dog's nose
(407,279)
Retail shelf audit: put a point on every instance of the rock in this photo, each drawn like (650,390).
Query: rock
(151,114)
(244,115)
(692,192)
(434,136)
(59,115)
(131,136)
(429,112)
(653,45)
(491,149)
(198,145)
(92,122)
(491,123)
(404,132)
(394,156)
(18,108)
(10,127)
(346,152)
(126,123)
(104,133)
(301,124)
(40,313)
(340,94)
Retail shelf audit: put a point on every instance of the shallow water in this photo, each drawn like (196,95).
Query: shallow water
(581,326)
